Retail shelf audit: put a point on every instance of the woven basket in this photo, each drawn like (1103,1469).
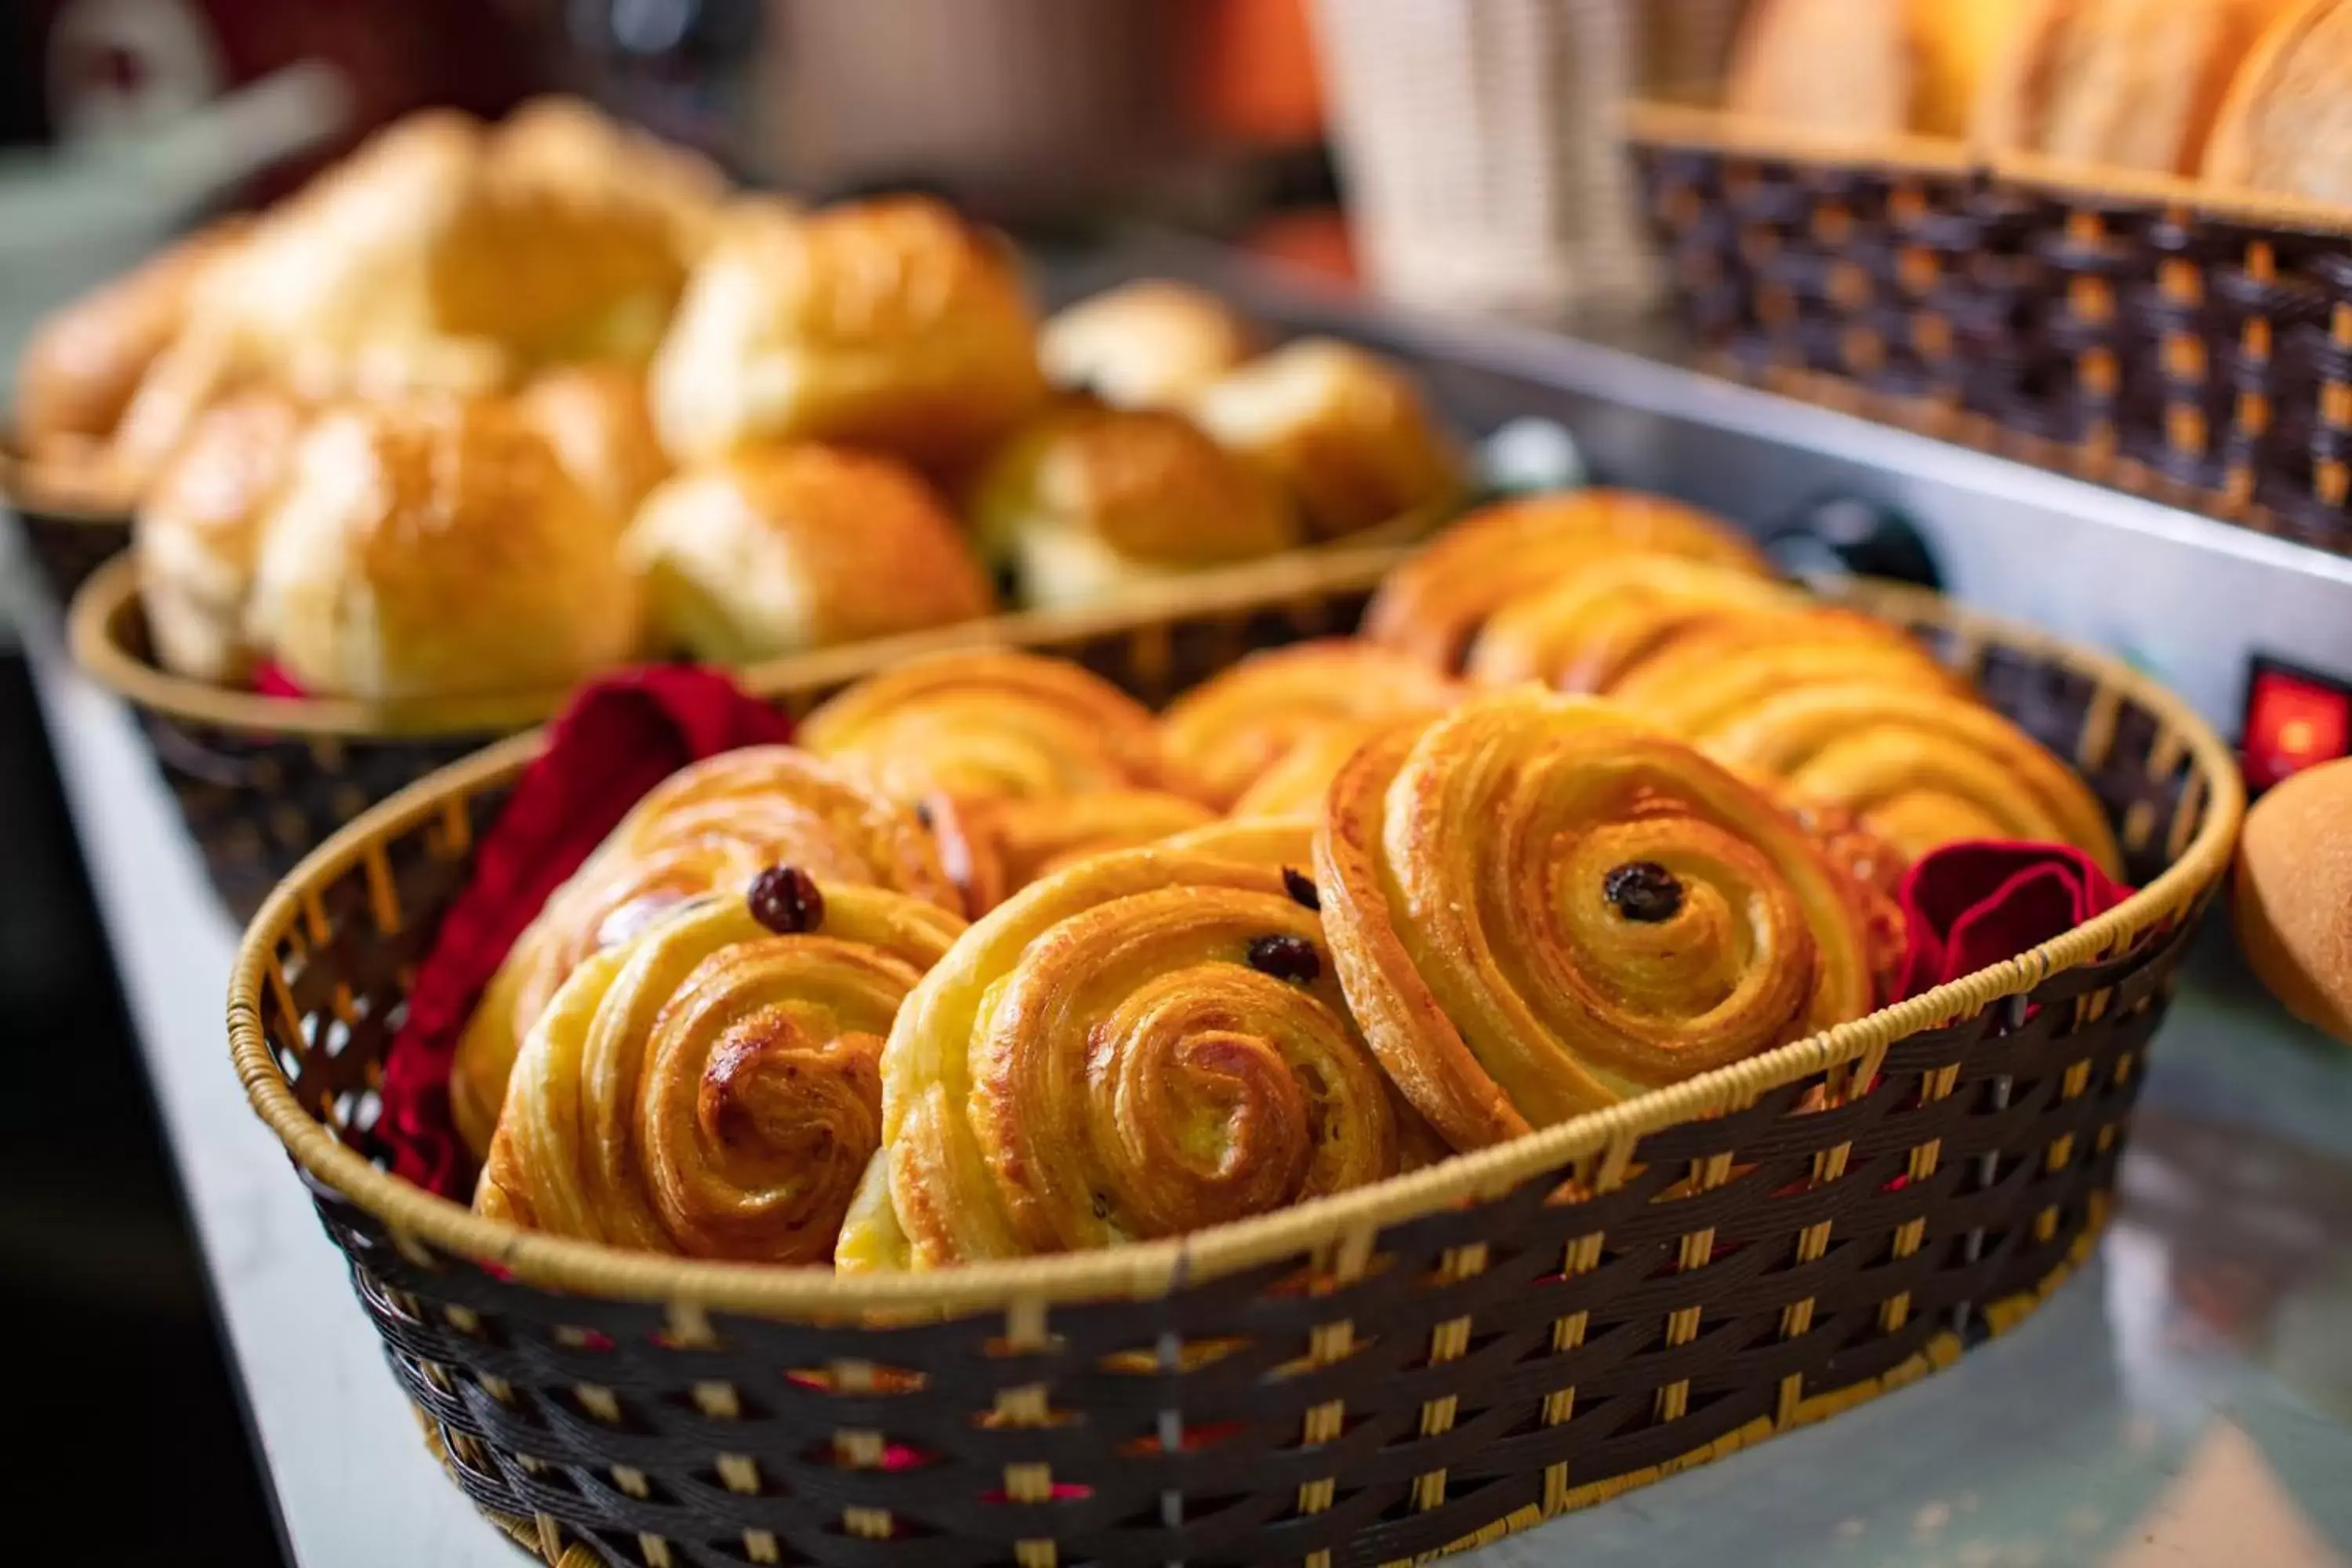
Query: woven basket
(70,530)
(1419,1366)
(263,780)
(2158,334)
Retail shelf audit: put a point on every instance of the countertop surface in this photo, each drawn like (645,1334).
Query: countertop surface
(2185,1399)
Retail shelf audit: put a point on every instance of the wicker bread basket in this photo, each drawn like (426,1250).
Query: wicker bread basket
(1416,1366)
(2163,335)
(261,780)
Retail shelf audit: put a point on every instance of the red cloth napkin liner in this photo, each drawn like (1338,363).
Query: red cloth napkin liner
(1968,905)
(616,738)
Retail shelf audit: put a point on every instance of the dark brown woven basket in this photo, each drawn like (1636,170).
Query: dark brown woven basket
(69,530)
(1419,1366)
(2158,334)
(261,781)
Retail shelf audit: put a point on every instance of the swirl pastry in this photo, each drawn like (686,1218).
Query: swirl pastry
(1343,430)
(1088,501)
(1297,781)
(1433,604)
(1539,908)
(707,828)
(983,725)
(1873,870)
(1918,768)
(1583,632)
(1145,1043)
(1229,730)
(1151,344)
(712,1087)
(994,847)
(1724,664)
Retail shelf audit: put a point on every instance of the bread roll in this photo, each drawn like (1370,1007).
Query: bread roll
(887,324)
(2293,894)
(437,547)
(1088,501)
(1152,343)
(2286,122)
(1870,67)
(595,417)
(778,550)
(1342,429)
(198,534)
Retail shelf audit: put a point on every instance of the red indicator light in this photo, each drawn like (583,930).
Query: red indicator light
(2293,720)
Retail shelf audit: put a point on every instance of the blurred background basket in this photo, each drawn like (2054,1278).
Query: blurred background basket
(1425,1364)
(2161,335)
(68,536)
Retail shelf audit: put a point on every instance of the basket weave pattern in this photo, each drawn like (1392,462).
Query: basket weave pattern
(1419,1366)
(2146,335)
(67,550)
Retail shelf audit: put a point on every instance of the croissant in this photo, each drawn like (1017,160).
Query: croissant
(985,724)
(707,828)
(1145,1043)
(1583,632)
(1919,768)
(1721,667)
(712,1087)
(1432,606)
(993,848)
(1226,732)
(1539,908)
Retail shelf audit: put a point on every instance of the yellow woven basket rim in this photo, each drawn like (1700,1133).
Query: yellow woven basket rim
(1345,1220)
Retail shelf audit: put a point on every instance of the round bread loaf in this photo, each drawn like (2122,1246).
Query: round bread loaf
(2295,894)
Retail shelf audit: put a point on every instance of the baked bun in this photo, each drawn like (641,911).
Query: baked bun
(2281,126)
(1870,67)
(1343,430)
(2130,83)
(1087,502)
(1151,344)
(437,548)
(890,325)
(86,360)
(198,533)
(786,549)
(595,417)
(2293,894)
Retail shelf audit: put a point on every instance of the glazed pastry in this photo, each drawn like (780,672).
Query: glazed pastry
(1152,343)
(887,324)
(1919,768)
(1433,604)
(1715,670)
(2280,125)
(2133,84)
(1583,632)
(594,417)
(1873,870)
(198,534)
(1538,908)
(707,829)
(1085,502)
(1142,1045)
(79,373)
(712,1086)
(1342,430)
(1229,731)
(1299,780)
(994,847)
(1870,67)
(785,549)
(2293,894)
(990,725)
(436,548)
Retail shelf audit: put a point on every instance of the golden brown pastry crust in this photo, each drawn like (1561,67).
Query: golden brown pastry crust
(1477,878)
(1919,768)
(1587,630)
(436,548)
(1085,500)
(993,848)
(2293,895)
(2282,124)
(1868,68)
(1433,604)
(1098,1061)
(1713,672)
(1344,431)
(1151,344)
(198,533)
(595,417)
(985,724)
(780,549)
(707,829)
(1228,732)
(711,1088)
(889,324)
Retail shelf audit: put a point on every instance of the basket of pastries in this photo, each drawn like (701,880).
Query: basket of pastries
(1612,1007)
(2108,236)
(486,410)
